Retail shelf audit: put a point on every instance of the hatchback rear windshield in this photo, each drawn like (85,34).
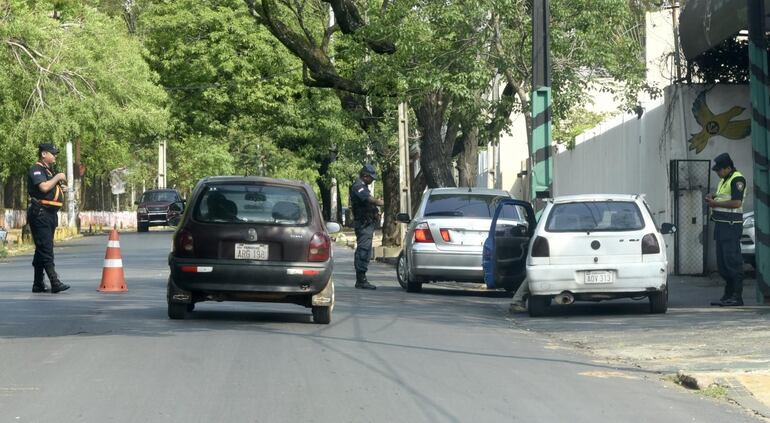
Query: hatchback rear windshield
(595,216)
(467,205)
(252,204)
(159,197)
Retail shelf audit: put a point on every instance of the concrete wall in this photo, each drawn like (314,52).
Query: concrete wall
(631,155)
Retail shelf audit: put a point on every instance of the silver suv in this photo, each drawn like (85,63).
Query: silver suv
(444,240)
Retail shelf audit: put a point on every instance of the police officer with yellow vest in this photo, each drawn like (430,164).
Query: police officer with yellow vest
(727,214)
(46,197)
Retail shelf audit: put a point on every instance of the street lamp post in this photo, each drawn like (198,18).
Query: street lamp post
(541,163)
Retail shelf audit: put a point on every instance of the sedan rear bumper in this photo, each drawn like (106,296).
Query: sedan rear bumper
(235,276)
(633,277)
(447,265)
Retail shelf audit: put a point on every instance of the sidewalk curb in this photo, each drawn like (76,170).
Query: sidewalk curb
(736,391)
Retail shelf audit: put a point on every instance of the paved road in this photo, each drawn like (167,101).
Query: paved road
(440,356)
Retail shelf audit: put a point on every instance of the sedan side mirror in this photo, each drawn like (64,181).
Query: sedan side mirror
(403,218)
(667,228)
(333,227)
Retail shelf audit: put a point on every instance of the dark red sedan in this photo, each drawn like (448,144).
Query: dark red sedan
(252,239)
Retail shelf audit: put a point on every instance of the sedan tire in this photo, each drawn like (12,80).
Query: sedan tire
(177,311)
(404,278)
(142,227)
(538,305)
(322,315)
(659,302)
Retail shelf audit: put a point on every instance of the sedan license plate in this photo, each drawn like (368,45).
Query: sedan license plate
(250,251)
(599,277)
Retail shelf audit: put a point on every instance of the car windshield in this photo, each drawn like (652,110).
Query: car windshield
(250,203)
(595,216)
(467,205)
(159,197)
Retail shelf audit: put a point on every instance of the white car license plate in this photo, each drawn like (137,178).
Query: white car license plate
(251,251)
(599,277)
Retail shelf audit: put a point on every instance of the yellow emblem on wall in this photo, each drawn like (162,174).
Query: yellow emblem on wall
(721,124)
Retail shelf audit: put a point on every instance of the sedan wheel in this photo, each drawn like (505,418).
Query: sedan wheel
(176,311)
(322,315)
(402,271)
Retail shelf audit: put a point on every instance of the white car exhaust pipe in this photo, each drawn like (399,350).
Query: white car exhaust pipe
(565,298)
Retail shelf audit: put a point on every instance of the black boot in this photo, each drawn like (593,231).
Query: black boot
(56,285)
(734,301)
(362,283)
(38,285)
(725,297)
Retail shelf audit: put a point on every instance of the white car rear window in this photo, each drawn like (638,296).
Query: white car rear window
(595,216)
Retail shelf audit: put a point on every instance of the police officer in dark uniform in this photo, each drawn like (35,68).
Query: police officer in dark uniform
(46,197)
(365,217)
(727,214)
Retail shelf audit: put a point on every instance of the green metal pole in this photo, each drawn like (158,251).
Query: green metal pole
(760,135)
(541,162)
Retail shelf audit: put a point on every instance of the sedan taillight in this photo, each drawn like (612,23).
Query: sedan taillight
(422,233)
(541,248)
(320,248)
(650,244)
(184,243)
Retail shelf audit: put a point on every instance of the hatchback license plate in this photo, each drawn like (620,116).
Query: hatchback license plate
(599,277)
(250,251)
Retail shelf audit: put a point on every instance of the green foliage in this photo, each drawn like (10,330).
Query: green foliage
(727,63)
(575,123)
(78,75)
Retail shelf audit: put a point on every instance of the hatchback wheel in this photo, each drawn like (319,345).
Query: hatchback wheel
(659,302)
(176,311)
(322,315)
(538,305)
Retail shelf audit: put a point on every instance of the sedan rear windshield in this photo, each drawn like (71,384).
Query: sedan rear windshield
(467,205)
(246,203)
(595,216)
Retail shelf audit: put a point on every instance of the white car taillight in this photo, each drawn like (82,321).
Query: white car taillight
(650,244)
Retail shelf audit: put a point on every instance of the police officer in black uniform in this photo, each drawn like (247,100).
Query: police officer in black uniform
(365,217)
(727,214)
(46,197)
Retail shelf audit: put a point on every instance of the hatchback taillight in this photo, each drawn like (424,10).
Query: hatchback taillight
(184,243)
(422,233)
(541,248)
(320,247)
(650,244)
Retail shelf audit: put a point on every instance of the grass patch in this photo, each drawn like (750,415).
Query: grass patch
(715,391)
(3,251)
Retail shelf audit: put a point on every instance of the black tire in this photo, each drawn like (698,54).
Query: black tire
(538,305)
(404,278)
(142,227)
(659,302)
(177,311)
(190,307)
(322,315)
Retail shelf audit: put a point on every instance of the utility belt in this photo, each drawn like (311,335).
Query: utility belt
(49,204)
(727,217)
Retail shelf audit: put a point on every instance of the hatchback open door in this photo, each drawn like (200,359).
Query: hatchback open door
(505,250)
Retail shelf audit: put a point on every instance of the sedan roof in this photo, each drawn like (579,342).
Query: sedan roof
(595,197)
(473,190)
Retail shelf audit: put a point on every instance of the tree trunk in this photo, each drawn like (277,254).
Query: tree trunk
(468,158)
(325,189)
(391,236)
(339,203)
(434,153)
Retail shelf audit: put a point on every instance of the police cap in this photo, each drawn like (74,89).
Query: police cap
(47,147)
(368,170)
(722,161)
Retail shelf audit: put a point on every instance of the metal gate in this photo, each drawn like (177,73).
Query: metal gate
(690,182)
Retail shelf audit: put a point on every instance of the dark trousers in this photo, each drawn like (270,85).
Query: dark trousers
(729,258)
(364,236)
(42,223)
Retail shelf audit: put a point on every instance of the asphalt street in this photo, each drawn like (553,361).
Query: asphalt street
(445,355)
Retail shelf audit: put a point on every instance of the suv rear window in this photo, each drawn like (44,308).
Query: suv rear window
(595,216)
(248,203)
(467,205)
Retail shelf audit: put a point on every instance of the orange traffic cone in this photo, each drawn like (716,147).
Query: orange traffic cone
(113,279)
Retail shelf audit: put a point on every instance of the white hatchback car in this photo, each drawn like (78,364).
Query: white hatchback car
(597,247)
